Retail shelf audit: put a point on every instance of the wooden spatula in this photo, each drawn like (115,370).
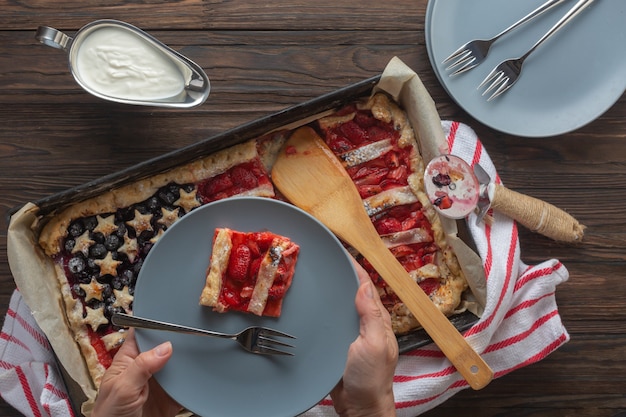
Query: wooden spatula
(312,178)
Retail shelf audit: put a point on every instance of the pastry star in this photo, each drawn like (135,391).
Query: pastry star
(114,340)
(82,243)
(169,217)
(93,290)
(130,247)
(108,266)
(123,299)
(156,237)
(106,225)
(140,222)
(187,200)
(95,318)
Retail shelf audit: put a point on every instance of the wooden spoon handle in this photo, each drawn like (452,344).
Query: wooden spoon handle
(464,358)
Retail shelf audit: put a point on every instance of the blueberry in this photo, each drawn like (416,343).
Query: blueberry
(69,245)
(97,237)
(128,274)
(125,214)
(94,304)
(90,222)
(121,230)
(112,242)
(84,278)
(167,197)
(127,277)
(107,292)
(109,310)
(76,264)
(92,266)
(98,251)
(137,266)
(76,229)
(153,204)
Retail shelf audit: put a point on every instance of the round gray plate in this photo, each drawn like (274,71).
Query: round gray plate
(214,377)
(566,83)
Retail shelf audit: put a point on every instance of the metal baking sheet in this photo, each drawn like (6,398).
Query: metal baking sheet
(53,203)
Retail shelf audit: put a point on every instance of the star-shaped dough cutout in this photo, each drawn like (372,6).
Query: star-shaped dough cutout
(108,265)
(169,217)
(123,299)
(141,222)
(187,200)
(95,317)
(130,247)
(114,340)
(156,237)
(106,225)
(93,290)
(82,243)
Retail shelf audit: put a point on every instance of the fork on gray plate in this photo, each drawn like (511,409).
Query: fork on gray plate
(473,53)
(505,74)
(261,340)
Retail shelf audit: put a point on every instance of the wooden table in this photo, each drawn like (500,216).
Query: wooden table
(263,57)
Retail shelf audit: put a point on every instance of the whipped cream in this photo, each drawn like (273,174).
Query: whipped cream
(117,63)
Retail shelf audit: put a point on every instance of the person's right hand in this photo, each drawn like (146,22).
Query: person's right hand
(366,388)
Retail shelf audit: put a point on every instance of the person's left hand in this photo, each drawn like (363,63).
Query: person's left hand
(127,388)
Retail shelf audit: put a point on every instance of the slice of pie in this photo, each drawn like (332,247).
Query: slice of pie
(249,272)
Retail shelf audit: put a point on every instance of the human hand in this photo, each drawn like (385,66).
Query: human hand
(127,388)
(366,388)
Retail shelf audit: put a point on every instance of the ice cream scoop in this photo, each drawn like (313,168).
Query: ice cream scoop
(456,189)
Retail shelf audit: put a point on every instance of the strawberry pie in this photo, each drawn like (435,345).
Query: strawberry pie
(249,272)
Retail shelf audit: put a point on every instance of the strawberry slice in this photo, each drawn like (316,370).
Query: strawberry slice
(239,263)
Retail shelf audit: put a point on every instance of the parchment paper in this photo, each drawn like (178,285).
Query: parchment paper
(34,276)
(34,272)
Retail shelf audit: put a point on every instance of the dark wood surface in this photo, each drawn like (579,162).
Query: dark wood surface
(263,57)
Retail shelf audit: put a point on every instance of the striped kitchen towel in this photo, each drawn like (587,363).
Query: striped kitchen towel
(520,325)
(29,378)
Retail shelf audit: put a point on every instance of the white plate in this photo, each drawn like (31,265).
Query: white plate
(215,377)
(566,83)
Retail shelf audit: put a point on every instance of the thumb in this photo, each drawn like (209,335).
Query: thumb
(148,363)
(370,308)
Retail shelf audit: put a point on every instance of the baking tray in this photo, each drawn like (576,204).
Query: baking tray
(289,116)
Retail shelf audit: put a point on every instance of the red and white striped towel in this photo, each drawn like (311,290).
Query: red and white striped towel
(520,325)
(29,378)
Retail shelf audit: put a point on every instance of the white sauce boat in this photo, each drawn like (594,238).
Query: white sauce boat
(119,62)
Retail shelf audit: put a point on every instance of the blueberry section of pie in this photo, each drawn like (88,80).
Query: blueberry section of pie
(102,255)
(99,245)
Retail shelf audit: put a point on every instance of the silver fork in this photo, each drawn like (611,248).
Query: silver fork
(505,74)
(253,339)
(474,52)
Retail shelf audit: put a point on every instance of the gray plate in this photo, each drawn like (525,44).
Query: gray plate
(213,377)
(568,82)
